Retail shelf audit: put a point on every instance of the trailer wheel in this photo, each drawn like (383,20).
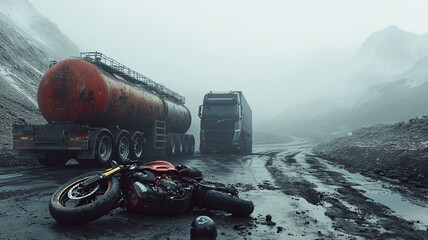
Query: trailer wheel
(185,144)
(178,145)
(137,146)
(104,148)
(170,144)
(123,146)
(191,144)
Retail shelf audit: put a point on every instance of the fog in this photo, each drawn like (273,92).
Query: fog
(279,53)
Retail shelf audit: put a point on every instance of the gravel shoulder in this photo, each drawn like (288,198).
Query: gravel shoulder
(398,152)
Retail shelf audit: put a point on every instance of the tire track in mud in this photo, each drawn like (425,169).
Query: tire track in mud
(295,186)
(356,214)
(303,175)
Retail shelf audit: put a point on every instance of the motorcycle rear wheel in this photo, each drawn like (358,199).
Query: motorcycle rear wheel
(71,204)
(216,200)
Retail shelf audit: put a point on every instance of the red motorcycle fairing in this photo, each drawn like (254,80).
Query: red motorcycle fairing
(161,193)
(163,166)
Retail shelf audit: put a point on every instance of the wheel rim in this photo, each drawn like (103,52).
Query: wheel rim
(138,147)
(123,147)
(74,195)
(172,147)
(78,192)
(105,148)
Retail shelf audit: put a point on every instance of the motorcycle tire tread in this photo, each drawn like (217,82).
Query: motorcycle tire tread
(216,200)
(89,212)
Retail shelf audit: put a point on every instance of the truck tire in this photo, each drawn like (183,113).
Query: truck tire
(94,202)
(137,142)
(191,144)
(250,146)
(216,200)
(170,145)
(185,144)
(104,148)
(178,145)
(123,146)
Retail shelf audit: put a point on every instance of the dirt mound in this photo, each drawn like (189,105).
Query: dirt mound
(397,151)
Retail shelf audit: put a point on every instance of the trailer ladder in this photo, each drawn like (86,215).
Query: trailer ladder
(114,67)
(159,133)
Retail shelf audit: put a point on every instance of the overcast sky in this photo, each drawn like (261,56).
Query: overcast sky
(259,47)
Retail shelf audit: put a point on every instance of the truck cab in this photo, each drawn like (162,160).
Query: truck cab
(226,123)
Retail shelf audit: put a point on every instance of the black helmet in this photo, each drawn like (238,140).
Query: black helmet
(203,228)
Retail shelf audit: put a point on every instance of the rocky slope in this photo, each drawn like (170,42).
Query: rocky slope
(397,151)
(25,54)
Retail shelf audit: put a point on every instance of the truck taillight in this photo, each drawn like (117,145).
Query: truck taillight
(23,138)
(79,138)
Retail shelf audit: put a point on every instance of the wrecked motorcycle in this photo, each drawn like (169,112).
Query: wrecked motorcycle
(156,187)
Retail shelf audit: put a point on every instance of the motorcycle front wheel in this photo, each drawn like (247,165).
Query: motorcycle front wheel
(73,204)
(216,200)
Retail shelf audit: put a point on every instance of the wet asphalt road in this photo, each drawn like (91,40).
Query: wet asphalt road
(307,197)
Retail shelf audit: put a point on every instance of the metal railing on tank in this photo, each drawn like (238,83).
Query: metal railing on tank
(112,66)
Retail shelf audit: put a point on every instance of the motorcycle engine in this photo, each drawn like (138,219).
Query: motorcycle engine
(164,195)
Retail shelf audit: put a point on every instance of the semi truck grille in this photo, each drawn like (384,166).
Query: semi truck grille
(219,137)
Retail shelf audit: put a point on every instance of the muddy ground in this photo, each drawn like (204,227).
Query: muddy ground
(308,198)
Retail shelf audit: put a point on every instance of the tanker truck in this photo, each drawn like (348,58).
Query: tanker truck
(98,110)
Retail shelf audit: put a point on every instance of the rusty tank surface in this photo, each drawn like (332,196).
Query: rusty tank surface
(79,92)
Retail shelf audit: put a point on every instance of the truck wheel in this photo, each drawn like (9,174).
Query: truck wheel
(104,148)
(191,144)
(123,145)
(250,146)
(243,145)
(137,146)
(204,151)
(185,143)
(170,145)
(178,145)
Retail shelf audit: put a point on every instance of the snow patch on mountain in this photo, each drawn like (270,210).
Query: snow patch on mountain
(417,75)
(16,82)
(390,51)
(35,26)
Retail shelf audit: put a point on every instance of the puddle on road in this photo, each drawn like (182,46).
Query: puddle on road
(295,215)
(298,218)
(409,209)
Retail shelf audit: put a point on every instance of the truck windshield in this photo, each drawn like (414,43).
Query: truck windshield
(220,111)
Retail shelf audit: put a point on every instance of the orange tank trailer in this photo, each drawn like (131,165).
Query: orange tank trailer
(76,91)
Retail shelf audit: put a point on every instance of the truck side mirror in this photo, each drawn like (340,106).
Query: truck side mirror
(200,111)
